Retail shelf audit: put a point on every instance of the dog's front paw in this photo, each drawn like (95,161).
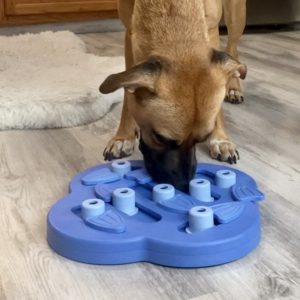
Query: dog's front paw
(224,150)
(234,93)
(119,148)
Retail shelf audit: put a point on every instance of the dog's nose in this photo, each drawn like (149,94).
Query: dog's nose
(173,166)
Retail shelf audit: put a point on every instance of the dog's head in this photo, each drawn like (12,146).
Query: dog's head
(175,104)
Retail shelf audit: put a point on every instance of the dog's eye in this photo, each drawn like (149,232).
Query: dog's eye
(165,141)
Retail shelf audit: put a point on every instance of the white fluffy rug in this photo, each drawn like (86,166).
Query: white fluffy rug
(48,80)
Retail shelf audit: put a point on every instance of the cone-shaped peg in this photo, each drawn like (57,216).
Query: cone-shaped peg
(225,178)
(200,218)
(124,200)
(163,192)
(92,208)
(121,167)
(200,189)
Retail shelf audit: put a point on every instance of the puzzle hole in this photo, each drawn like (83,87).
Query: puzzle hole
(182,227)
(124,192)
(215,196)
(146,215)
(134,168)
(201,210)
(165,187)
(205,175)
(93,202)
(76,210)
(200,182)
(226,173)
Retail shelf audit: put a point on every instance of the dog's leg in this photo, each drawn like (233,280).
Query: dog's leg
(122,144)
(235,20)
(220,146)
(213,14)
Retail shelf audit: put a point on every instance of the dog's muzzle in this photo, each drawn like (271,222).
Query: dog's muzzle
(173,166)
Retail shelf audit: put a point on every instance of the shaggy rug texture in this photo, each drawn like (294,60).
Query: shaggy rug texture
(48,80)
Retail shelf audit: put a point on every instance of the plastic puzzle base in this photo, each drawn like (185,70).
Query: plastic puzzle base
(115,214)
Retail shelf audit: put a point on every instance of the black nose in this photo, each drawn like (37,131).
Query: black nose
(173,166)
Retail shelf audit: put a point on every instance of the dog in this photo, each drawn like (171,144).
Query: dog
(175,82)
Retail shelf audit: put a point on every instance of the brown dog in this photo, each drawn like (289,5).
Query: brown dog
(175,83)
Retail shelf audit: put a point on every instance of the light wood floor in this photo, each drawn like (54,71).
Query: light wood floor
(36,166)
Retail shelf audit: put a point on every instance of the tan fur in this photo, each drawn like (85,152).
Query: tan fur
(183,100)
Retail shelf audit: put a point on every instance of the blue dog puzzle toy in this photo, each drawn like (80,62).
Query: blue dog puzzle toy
(115,214)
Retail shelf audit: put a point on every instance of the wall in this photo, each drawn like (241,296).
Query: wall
(273,11)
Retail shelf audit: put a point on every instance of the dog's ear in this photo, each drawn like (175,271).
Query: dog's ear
(143,75)
(231,66)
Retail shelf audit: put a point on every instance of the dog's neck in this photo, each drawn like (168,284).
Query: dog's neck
(169,28)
